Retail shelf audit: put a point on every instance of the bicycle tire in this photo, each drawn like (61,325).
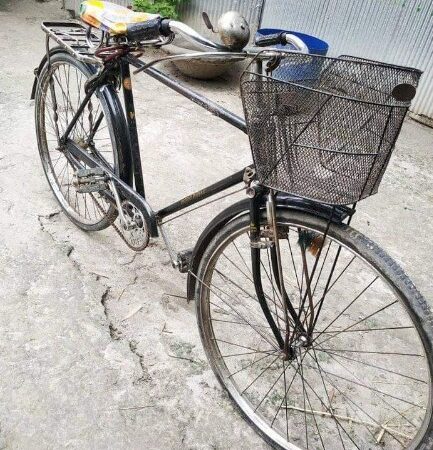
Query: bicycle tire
(371,254)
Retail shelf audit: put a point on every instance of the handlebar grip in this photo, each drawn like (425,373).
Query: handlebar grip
(271,39)
(144,31)
(165,27)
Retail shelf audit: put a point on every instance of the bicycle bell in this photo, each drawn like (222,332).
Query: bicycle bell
(233,30)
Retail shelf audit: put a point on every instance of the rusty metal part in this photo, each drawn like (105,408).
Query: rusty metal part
(112,52)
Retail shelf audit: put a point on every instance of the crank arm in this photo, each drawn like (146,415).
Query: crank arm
(127,192)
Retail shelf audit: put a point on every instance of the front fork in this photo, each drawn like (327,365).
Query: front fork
(293,326)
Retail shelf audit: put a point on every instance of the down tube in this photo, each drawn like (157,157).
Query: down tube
(198,196)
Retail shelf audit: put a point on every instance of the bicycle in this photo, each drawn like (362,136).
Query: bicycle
(315,333)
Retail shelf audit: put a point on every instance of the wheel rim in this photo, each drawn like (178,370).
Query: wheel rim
(338,394)
(65,83)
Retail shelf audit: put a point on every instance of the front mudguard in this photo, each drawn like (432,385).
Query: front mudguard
(283,201)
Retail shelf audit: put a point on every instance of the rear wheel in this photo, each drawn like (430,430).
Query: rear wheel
(363,381)
(99,130)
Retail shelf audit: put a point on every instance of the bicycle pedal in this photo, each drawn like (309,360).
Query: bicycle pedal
(90,180)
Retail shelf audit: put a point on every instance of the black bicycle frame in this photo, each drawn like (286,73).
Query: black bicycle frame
(136,181)
(135,185)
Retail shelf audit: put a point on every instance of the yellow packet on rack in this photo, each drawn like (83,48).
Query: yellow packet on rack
(110,17)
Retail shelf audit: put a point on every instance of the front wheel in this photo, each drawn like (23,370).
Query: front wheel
(363,379)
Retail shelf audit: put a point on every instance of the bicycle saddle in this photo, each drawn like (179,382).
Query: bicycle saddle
(110,17)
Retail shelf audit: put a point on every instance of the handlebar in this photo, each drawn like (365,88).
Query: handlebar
(145,31)
(161,27)
(155,28)
(191,35)
(282,38)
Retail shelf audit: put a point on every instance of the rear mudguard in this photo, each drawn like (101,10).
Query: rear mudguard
(283,201)
(38,69)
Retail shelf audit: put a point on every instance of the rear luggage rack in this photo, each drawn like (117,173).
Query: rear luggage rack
(77,39)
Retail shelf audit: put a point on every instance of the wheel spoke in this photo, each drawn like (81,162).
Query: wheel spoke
(330,411)
(328,398)
(382,393)
(269,338)
(227,278)
(356,323)
(251,364)
(363,385)
(309,403)
(375,366)
(260,374)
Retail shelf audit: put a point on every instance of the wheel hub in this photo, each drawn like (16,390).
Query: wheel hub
(294,349)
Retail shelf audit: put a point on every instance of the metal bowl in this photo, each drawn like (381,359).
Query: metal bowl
(202,69)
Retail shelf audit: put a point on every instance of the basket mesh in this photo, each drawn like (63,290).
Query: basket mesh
(324,128)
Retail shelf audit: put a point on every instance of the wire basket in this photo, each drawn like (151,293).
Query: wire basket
(324,128)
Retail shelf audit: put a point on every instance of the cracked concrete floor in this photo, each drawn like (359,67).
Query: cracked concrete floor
(98,346)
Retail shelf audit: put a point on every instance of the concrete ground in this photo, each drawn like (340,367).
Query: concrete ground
(98,347)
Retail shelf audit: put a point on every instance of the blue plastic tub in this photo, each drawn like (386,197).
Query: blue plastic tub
(299,72)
